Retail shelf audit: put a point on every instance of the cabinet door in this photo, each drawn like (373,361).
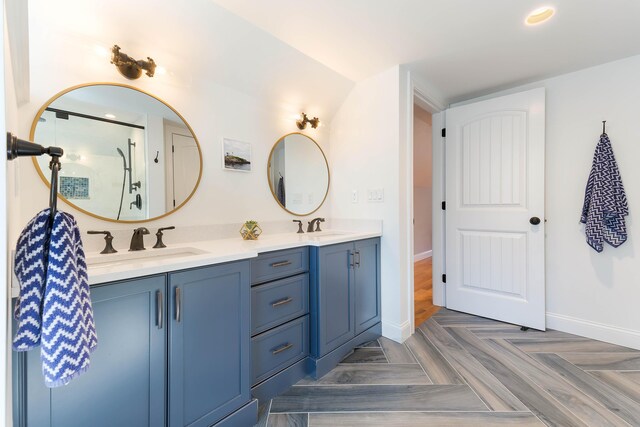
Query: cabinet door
(125,383)
(367,284)
(209,343)
(333,319)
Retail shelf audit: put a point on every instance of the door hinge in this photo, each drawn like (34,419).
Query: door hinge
(444,278)
(173,149)
(444,132)
(444,206)
(174,203)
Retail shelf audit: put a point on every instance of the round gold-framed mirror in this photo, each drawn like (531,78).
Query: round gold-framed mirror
(129,157)
(298,174)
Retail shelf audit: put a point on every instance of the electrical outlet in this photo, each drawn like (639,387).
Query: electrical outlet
(354,196)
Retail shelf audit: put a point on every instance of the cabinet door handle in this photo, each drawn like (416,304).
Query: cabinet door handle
(178,304)
(358,261)
(352,257)
(281,349)
(284,301)
(159,310)
(280,264)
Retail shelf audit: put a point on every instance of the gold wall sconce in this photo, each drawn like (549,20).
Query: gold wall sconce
(129,67)
(302,123)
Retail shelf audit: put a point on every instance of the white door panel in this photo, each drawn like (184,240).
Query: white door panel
(494,185)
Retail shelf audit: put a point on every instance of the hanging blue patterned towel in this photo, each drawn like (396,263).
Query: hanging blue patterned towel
(605,202)
(54,306)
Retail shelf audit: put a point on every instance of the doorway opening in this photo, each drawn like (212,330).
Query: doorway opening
(423,215)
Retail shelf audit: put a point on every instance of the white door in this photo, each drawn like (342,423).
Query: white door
(495,208)
(185,165)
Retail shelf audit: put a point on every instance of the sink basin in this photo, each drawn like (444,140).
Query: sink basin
(121,258)
(321,234)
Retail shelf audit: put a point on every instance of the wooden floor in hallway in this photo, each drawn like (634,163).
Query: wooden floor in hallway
(462,370)
(423,291)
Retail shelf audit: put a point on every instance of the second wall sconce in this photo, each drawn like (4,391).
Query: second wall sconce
(129,67)
(302,123)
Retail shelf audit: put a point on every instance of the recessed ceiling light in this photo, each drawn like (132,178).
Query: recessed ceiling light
(540,15)
(110,116)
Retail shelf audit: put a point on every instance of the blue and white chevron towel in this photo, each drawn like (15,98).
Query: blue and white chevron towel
(54,306)
(605,202)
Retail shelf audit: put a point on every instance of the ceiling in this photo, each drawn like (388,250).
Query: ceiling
(464,48)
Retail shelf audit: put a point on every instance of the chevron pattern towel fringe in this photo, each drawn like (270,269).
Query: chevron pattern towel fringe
(54,307)
(605,202)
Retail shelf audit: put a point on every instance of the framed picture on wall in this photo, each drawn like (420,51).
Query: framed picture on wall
(236,155)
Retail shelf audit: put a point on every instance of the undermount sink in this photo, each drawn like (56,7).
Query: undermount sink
(321,234)
(111,260)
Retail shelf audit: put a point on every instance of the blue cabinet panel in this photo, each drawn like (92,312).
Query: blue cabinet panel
(367,283)
(279,348)
(332,297)
(278,264)
(275,303)
(209,343)
(125,384)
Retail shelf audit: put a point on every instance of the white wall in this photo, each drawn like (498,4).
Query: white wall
(254,113)
(591,294)
(365,154)
(422,183)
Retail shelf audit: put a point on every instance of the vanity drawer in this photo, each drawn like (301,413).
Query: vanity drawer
(278,264)
(279,348)
(278,302)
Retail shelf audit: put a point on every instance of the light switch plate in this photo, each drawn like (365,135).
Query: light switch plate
(354,196)
(375,195)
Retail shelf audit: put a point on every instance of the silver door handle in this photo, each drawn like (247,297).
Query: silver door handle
(159,310)
(281,349)
(280,264)
(284,301)
(178,304)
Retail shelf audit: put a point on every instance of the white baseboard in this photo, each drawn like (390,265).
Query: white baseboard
(397,333)
(422,255)
(597,331)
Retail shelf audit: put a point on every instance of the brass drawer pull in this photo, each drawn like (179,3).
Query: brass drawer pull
(287,300)
(281,349)
(280,264)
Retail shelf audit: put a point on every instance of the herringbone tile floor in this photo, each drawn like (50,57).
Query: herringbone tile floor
(462,370)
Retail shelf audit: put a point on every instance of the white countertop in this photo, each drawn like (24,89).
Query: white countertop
(109,267)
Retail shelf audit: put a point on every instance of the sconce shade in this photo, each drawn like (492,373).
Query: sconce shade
(302,123)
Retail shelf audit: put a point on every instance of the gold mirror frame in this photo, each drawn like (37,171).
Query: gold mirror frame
(275,197)
(60,197)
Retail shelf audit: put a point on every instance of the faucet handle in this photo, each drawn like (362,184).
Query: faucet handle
(159,234)
(108,238)
(318,221)
(299,225)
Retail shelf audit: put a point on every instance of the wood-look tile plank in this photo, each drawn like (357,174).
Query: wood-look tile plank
(395,352)
(574,345)
(366,355)
(263,413)
(492,392)
(463,320)
(604,361)
(288,420)
(440,419)
(537,400)
(584,407)
(513,332)
(432,361)
(367,398)
(632,375)
(371,374)
(373,343)
(621,382)
(625,407)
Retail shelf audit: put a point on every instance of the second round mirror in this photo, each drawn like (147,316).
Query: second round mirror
(298,174)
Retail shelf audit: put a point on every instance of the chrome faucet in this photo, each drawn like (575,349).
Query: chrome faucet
(315,221)
(137,240)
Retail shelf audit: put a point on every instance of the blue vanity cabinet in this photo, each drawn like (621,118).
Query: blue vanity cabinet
(125,384)
(367,284)
(209,343)
(344,300)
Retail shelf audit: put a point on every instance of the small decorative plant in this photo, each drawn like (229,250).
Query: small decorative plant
(250,230)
